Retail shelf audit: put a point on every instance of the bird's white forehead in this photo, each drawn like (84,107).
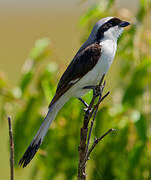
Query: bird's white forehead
(102,21)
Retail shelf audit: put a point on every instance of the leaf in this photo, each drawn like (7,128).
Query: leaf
(16,92)
(110,3)
(137,83)
(140,124)
(135,156)
(40,49)
(26,80)
(94,10)
(47,89)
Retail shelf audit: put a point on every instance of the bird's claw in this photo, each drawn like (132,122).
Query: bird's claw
(97,90)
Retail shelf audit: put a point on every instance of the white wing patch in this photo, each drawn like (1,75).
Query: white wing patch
(74,81)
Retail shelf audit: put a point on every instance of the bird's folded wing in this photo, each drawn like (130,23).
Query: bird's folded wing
(82,63)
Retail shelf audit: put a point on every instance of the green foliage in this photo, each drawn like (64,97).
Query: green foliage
(122,155)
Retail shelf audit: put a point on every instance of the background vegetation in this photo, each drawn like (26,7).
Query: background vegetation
(122,155)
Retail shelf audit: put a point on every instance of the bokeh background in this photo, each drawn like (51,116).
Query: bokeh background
(38,40)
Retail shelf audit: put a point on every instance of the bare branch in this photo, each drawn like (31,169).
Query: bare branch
(11,149)
(94,116)
(91,111)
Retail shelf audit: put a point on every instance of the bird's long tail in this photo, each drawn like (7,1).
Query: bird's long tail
(37,141)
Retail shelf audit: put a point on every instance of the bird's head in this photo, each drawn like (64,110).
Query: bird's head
(108,28)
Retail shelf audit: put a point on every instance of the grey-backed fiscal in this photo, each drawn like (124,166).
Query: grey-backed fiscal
(90,63)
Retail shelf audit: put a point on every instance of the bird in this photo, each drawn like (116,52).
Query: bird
(90,63)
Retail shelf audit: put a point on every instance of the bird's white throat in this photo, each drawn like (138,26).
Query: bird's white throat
(113,33)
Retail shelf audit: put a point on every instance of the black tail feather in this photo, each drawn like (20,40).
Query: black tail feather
(29,154)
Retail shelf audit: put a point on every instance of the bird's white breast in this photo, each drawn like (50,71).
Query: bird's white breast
(108,50)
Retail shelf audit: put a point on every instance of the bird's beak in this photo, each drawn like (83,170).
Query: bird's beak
(124,24)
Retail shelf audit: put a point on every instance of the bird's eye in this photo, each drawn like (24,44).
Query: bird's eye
(105,28)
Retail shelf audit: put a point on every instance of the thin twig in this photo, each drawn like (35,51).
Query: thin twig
(96,141)
(11,149)
(105,95)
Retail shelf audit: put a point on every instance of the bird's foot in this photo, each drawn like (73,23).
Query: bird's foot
(97,90)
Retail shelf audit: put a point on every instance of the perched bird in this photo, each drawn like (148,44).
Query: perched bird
(86,69)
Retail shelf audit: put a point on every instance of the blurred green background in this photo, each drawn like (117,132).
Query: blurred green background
(38,40)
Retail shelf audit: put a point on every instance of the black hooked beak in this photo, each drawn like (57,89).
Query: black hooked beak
(124,24)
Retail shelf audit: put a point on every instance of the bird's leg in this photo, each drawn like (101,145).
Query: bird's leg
(85,104)
(97,91)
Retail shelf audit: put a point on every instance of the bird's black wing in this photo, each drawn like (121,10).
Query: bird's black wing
(82,63)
